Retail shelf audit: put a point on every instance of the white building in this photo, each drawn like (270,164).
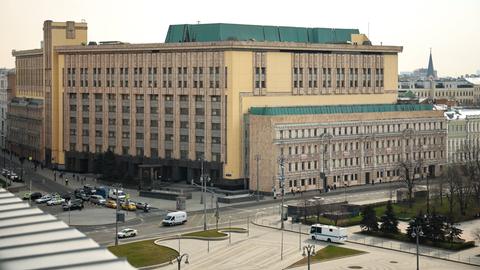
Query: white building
(463,133)
(3,107)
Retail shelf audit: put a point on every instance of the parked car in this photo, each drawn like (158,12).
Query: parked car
(89,190)
(130,206)
(5,172)
(72,205)
(44,199)
(14,177)
(97,199)
(127,233)
(56,201)
(139,205)
(111,204)
(175,218)
(35,195)
(85,197)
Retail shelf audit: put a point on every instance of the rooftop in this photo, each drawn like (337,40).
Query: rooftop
(339,109)
(461,114)
(241,32)
(32,239)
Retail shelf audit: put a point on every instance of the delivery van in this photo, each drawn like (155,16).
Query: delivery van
(328,233)
(175,218)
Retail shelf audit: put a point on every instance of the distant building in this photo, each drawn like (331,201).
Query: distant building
(425,84)
(463,133)
(3,106)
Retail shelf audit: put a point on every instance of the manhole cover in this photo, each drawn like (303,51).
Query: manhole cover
(393,262)
(355,267)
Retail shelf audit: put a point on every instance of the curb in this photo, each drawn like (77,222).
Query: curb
(386,248)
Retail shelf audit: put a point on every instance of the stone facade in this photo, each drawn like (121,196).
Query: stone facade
(351,149)
(3,107)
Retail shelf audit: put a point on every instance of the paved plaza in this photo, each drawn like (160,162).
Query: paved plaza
(262,250)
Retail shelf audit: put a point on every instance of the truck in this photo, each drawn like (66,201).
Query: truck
(102,191)
(175,218)
(328,233)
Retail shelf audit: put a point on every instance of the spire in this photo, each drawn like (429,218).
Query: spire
(430,70)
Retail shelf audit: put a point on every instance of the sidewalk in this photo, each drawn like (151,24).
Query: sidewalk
(467,256)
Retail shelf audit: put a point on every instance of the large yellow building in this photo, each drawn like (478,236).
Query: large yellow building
(170,104)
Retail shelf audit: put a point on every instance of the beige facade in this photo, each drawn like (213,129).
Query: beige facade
(183,101)
(351,148)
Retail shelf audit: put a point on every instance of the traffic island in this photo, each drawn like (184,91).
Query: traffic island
(328,253)
(221,233)
(144,253)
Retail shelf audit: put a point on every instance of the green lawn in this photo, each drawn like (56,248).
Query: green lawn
(144,253)
(214,233)
(328,253)
(207,233)
(404,212)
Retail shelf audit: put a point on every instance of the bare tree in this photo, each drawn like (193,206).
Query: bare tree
(407,175)
(471,168)
(451,173)
(476,234)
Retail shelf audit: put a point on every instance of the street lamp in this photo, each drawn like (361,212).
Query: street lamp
(116,187)
(310,252)
(257,158)
(203,180)
(417,232)
(179,259)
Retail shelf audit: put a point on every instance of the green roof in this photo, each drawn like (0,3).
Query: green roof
(340,109)
(242,32)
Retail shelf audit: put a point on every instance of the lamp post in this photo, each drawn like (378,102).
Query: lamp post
(179,259)
(310,251)
(345,191)
(417,232)
(116,186)
(282,187)
(325,140)
(257,158)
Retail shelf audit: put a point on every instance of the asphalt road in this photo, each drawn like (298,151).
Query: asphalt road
(149,225)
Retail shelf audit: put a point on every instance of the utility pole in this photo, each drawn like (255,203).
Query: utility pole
(257,158)
(282,186)
(116,186)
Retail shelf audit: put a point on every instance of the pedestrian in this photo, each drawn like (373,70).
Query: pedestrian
(66,181)
(293,192)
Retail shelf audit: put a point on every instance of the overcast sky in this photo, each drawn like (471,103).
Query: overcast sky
(451,28)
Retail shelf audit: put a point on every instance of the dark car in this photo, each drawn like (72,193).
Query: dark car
(35,195)
(73,205)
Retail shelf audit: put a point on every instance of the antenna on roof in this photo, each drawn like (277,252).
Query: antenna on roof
(368,30)
(198,22)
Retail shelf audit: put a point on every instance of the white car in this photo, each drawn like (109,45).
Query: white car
(127,233)
(56,201)
(44,199)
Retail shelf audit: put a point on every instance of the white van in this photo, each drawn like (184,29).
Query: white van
(175,218)
(113,195)
(328,233)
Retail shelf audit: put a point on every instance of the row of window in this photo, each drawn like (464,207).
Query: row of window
(140,123)
(354,130)
(153,97)
(353,77)
(141,109)
(140,151)
(214,81)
